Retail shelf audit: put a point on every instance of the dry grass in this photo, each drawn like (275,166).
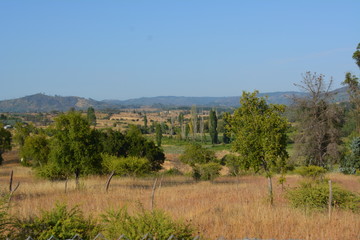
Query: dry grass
(229,207)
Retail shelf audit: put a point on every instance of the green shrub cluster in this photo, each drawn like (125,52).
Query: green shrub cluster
(64,223)
(312,195)
(60,222)
(156,224)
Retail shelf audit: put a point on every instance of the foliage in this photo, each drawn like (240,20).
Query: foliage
(36,149)
(75,146)
(233,163)
(5,141)
(206,171)
(316,196)
(158,132)
(91,117)
(138,146)
(172,172)
(313,172)
(59,222)
(113,142)
(356,55)
(351,162)
(196,154)
(155,223)
(22,131)
(213,127)
(259,133)
(129,166)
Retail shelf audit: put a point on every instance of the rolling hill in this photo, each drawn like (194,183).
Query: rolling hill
(44,103)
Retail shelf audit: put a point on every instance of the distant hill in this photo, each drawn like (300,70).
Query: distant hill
(276,97)
(44,103)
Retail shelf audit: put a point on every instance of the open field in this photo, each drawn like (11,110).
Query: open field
(229,207)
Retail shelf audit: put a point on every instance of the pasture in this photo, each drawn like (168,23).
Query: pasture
(232,207)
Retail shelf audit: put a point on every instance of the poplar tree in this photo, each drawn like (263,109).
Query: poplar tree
(213,127)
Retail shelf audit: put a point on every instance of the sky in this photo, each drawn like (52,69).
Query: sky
(125,49)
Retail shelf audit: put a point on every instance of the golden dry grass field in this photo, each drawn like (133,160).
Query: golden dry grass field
(234,208)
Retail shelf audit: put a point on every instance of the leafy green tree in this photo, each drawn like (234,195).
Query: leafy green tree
(91,116)
(226,133)
(260,137)
(113,143)
(352,82)
(36,149)
(22,131)
(213,127)
(145,124)
(356,55)
(158,132)
(138,146)
(5,141)
(75,146)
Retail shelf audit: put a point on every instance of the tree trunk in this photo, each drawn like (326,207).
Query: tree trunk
(77,177)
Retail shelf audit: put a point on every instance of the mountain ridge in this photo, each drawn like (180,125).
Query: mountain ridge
(44,103)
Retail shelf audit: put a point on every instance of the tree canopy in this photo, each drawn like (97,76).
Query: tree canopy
(259,132)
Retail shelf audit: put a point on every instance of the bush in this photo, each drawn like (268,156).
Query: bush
(316,196)
(314,172)
(206,171)
(155,223)
(60,222)
(196,154)
(130,166)
(173,172)
(234,164)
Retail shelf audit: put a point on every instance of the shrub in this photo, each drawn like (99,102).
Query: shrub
(206,171)
(130,166)
(316,196)
(196,154)
(155,223)
(60,222)
(314,172)
(173,172)
(234,164)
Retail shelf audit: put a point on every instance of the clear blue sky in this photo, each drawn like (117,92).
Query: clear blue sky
(129,49)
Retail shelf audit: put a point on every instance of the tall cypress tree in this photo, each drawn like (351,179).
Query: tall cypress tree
(213,127)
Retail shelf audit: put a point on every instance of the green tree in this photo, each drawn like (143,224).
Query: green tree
(5,141)
(158,132)
(356,55)
(259,133)
(36,149)
(213,127)
(22,131)
(75,146)
(352,82)
(226,134)
(91,116)
(138,146)
(145,124)
(113,143)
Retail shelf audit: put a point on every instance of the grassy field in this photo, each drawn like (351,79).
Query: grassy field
(230,207)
